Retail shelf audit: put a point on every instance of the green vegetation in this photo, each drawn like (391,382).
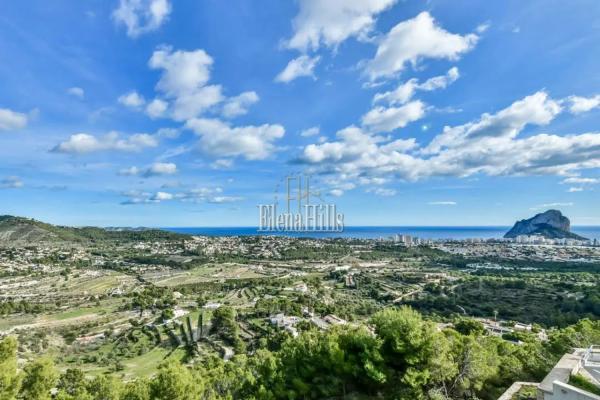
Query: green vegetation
(582,382)
(406,357)
(526,393)
(540,298)
(102,314)
(21,228)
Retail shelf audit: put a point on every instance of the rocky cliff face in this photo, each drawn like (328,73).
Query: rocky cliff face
(550,224)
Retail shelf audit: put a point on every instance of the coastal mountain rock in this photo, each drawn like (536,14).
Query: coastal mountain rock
(550,224)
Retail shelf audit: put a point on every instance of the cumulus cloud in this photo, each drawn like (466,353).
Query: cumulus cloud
(82,143)
(405,91)
(578,105)
(298,67)
(156,169)
(331,22)
(156,108)
(537,109)
(11,182)
(12,120)
(353,145)
(238,105)
(141,16)
(169,133)
(212,195)
(183,71)
(413,40)
(132,99)
(143,197)
(184,79)
(490,145)
(386,119)
(161,196)
(219,139)
(315,130)
(76,92)
(185,94)
(222,163)
(159,168)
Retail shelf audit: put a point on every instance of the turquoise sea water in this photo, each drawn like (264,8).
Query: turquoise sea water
(375,232)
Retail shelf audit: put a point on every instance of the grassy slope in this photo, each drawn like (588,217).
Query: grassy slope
(17,228)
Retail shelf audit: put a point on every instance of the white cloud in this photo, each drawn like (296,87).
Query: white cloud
(336,192)
(550,205)
(207,194)
(199,194)
(12,120)
(221,140)
(440,82)
(442,203)
(169,133)
(156,169)
(481,28)
(222,163)
(382,192)
(183,71)
(82,143)
(353,145)
(333,21)
(11,182)
(405,91)
(159,168)
(238,105)
(576,180)
(156,108)
(132,99)
(184,78)
(537,109)
(413,40)
(298,67)
(224,199)
(131,171)
(142,197)
(575,189)
(386,119)
(141,16)
(578,105)
(192,104)
(76,91)
(315,130)
(490,145)
(162,196)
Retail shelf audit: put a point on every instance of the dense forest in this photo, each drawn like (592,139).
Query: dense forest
(397,355)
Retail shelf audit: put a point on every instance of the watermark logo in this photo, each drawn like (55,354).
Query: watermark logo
(303,211)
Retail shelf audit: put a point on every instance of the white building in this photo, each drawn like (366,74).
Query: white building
(557,385)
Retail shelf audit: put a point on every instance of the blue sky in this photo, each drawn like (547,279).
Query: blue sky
(188,113)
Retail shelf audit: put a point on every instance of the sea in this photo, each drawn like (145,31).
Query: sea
(379,232)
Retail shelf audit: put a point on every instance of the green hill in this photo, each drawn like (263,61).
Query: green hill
(18,229)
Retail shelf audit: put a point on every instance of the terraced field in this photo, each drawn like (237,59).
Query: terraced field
(203,274)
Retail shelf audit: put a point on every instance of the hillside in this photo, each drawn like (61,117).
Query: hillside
(18,229)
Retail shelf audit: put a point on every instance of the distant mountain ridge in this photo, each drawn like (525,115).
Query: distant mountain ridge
(19,229)
(550,224)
